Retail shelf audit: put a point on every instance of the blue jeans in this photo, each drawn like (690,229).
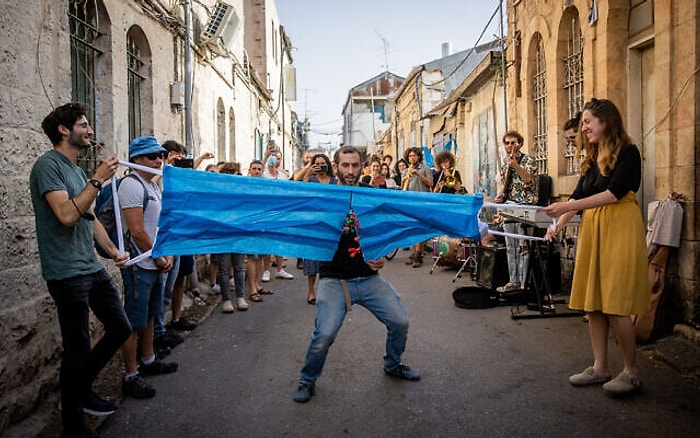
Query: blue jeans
(168,282)
(373,293)
(225,261)
(74,297)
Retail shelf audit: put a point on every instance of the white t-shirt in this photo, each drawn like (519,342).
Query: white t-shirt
(131,195)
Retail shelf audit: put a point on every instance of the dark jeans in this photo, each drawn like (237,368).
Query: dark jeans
(74,297)
(225,261)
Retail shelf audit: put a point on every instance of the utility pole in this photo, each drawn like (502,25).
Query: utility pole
(188,81)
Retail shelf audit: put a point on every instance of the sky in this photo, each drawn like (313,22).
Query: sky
(341,43)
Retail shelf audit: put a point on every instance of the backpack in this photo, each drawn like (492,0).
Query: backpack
(104,212)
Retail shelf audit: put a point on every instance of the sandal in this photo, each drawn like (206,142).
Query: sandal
(263,291)
(256,298)
(311,301)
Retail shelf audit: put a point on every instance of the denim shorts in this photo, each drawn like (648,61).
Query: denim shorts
(143,294)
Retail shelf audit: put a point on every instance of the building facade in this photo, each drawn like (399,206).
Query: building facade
(641,54)
(125,59)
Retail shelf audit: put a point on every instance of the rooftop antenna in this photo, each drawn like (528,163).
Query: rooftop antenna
(386,46)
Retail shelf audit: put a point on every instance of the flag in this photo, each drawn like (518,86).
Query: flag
(211,213)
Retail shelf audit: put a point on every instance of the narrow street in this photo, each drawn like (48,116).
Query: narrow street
(483,375)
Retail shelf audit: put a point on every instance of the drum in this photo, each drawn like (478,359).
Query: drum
(448,251)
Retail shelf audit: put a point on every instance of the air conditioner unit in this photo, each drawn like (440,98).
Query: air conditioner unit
(222,28)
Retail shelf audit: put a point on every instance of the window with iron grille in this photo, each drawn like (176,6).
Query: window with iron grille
(539,97)
(573,86)
(84,39)
(135,79)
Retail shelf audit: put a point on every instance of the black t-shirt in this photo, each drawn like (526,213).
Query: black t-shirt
(441,176)
(348,260)
(626,176)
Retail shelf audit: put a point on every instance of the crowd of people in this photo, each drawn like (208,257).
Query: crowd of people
(67,231)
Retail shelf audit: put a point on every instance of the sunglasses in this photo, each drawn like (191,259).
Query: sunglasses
(155,155)
(508,143)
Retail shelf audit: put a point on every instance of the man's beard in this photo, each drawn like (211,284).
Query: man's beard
(345,182)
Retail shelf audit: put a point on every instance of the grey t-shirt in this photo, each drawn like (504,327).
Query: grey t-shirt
(65,252)
(131,196)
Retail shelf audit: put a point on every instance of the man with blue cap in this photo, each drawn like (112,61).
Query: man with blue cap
(140,203)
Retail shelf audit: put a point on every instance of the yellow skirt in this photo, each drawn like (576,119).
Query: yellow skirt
(611,272)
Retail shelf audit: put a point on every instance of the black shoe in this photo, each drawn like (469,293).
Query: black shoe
(169,340)
(300,264)
(304,393)
(403,372)
(96,406)
(182,325)
(157,367)
(136,387)
(161,352)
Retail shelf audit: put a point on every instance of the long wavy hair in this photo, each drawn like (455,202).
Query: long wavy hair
(606,151)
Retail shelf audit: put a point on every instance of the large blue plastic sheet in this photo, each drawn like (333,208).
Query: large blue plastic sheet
(211,213)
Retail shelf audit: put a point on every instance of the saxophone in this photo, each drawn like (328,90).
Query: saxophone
(407,179)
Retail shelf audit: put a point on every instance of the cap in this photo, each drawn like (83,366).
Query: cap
(143,146)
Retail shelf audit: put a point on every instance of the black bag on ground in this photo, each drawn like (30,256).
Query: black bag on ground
(475,297)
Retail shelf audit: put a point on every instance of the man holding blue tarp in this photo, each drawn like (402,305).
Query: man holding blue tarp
(348,279)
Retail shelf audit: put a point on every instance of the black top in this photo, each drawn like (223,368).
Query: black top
(348,260)
(440,176)
(626,176)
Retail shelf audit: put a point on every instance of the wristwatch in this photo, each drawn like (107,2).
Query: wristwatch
(96,184)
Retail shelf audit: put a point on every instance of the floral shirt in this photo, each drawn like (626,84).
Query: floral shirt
(518,190)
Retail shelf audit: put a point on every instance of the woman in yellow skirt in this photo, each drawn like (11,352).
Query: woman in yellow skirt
(610,275)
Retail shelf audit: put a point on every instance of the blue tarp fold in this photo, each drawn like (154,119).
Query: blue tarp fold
(210,213)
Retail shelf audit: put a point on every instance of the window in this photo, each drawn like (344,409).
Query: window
(84,41)
(232,133)
(221,130)
(135,79)
(539,99)
(573,86)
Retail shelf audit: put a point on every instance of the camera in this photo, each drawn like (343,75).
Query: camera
(322,169)
(187,163)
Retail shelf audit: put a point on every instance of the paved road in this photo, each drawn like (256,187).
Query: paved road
(483,375)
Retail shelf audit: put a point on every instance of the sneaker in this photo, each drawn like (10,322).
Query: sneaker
(96,406)
(300,264)
(136,387)
(284,275)
(162,351)
(215,289)
(587,377)
(169,340)
(304,393)
(403,372)
(622,384)
(241,304)
(265,277)
(157,367)
(232,282)
(183,325)
(509,287)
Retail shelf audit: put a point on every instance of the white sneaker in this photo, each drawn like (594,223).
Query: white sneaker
(265,277)
(284,275)
(232,282)
(216,289)
(242,304)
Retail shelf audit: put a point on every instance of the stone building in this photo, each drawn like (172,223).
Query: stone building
(125,59)
(641,54)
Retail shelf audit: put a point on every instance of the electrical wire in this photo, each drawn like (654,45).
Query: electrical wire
(469,53)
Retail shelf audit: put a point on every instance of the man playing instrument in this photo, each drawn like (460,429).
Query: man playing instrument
(417,178)
(519,187)
(349,279)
